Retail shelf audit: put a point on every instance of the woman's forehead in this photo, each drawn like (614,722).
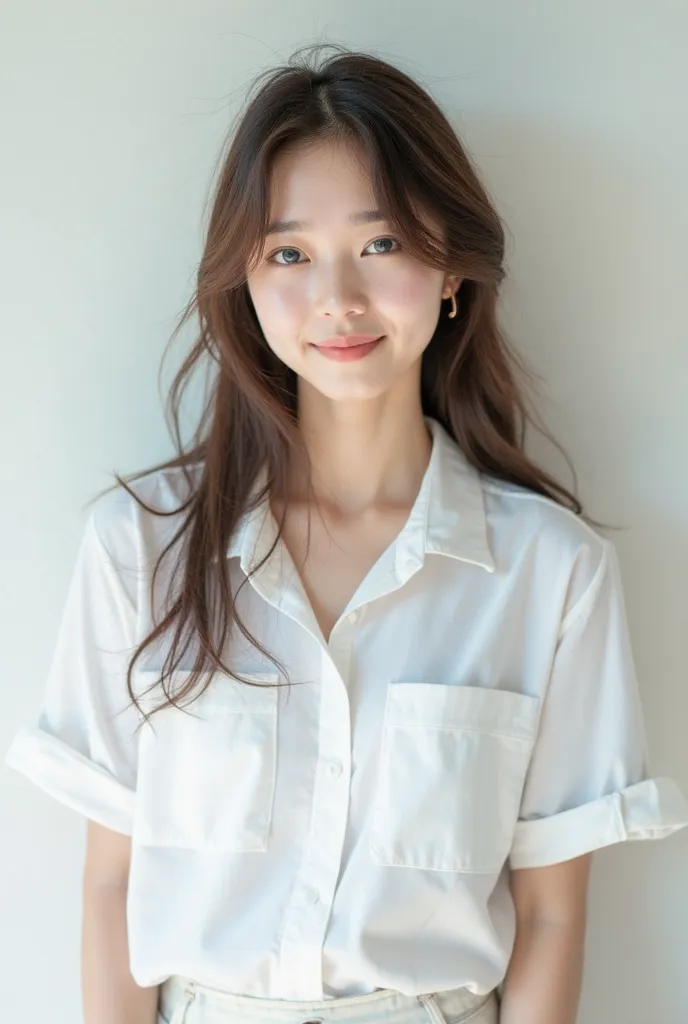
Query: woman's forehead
(327,182)
(306,176)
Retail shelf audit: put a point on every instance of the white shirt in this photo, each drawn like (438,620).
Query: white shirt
(475,709)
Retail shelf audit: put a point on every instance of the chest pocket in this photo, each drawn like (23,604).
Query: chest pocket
(207,782)
(452,766)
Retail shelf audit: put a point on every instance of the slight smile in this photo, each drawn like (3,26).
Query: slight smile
(348,349)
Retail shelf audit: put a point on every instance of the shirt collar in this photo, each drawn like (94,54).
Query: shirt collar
(456,521)
(447,517)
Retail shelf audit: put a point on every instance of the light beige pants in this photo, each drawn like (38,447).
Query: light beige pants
(187,1002)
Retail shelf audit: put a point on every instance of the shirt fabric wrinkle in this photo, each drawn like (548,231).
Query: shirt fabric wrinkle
(361,828)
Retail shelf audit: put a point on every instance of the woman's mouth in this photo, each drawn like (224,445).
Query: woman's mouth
(348,350)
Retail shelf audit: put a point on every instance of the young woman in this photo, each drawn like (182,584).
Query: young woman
(345,690)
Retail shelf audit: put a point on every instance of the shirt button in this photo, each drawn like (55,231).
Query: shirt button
(352,616)
(334,769)
(310,895)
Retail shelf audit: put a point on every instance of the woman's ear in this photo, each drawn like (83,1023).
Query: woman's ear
(452,283)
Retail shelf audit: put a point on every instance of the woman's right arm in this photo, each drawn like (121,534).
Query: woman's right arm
(110,994)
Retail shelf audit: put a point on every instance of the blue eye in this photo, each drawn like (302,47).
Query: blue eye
(293,262)
(386,238)
(289,262)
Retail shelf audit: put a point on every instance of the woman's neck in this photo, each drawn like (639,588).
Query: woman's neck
(364,455)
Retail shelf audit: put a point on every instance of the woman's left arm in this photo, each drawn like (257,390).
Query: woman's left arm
(543,982)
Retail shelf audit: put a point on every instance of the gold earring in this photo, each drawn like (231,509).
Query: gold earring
(453,309)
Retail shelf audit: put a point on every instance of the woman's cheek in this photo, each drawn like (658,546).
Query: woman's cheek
(278,305)
(410,291)
(290,298)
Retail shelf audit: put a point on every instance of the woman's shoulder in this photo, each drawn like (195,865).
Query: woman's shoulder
(132,522)
(523,524)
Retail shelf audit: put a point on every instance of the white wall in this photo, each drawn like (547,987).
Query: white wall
(113,115)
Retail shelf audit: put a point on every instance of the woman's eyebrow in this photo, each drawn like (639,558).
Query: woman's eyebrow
(363,217)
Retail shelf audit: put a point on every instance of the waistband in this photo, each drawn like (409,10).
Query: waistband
(183,1001)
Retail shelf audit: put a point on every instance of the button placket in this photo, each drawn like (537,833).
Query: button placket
(307,916)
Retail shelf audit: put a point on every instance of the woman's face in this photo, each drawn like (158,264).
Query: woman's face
(340,273)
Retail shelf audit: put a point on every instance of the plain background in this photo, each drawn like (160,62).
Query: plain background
(114,115)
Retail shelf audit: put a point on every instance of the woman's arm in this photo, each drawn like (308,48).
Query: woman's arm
(110,994)
(543,983)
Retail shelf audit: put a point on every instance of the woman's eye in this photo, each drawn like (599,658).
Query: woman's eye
(289,252)
(387,238)
(291,255)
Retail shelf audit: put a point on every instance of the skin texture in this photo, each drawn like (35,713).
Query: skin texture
(363,426)
(340,277)
(109,993)
(543,982)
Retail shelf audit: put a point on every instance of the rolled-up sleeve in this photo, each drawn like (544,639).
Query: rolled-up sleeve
(588,783)
(81,749)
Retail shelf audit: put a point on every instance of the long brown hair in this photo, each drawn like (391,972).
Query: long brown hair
(472,381)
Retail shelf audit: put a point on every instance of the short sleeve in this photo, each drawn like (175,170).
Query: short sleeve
(82,748)
(588,783)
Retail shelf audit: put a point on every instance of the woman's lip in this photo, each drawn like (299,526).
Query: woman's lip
(350,341)
(350,353)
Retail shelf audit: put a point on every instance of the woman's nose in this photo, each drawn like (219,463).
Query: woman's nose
(339,291)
